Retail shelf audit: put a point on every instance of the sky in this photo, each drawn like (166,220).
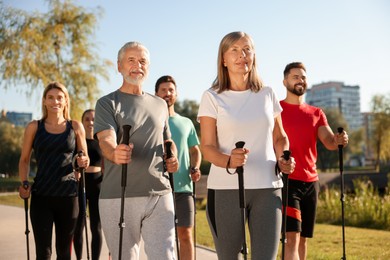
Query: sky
(347,41)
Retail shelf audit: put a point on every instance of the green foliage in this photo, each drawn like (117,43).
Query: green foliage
(37,48)
(356,141)
(9,185)
(380,136)
(360,243)
(189,108)
(329,159)
(11,138)
(203,234)
(365,208)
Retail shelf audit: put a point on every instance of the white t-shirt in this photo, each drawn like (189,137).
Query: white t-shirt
(244,116)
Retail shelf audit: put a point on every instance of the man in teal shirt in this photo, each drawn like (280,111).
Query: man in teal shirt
(189,156)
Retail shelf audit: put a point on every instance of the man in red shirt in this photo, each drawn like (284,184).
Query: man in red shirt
(303,124)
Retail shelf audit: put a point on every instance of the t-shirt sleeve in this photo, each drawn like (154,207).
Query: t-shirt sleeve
(104,116)
(323,121)
(192,137)
(276,104)
(208,105)
(167,131)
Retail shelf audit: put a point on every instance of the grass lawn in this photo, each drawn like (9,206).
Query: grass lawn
(327,242)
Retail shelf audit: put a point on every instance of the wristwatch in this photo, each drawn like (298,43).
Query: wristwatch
(26,184)
(194,169)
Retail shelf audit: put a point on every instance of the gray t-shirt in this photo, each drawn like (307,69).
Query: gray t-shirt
(148,117)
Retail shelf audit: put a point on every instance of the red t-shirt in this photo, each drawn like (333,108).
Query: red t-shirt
(301,123)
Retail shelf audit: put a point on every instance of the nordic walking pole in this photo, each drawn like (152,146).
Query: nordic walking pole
(340,146)
(286,156)
(125,140)
(168,150)
(27,231)
(194,195)
(241,190)
(82,171)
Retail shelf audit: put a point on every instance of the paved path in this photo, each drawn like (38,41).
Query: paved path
(13,239)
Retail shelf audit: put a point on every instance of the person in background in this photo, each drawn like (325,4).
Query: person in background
(238,107)
(55,140)
(148,206)
(189,156)
(93,178)
(302,120)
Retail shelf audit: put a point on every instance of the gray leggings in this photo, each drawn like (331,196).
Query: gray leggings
(264,217)
(150,217)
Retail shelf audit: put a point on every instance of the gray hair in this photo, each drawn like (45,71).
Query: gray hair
(129,45)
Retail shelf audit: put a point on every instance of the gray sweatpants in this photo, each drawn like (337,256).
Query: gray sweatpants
(150,217)
(264,217)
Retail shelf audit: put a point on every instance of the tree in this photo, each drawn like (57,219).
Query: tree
(380,107)
(356,143)
(329,159)
(189,108)
(38,48)
(11,142)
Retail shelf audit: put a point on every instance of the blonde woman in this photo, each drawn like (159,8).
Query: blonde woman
(55,140)
(238,107)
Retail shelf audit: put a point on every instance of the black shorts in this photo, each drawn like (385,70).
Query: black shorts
(184,203)
(302,207)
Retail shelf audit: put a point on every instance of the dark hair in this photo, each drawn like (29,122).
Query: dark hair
(293,65)
(86,111)
(164,79)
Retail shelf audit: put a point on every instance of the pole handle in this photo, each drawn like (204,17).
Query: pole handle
(79,154)
(126,134)
(240,172)
(340,130)
(168,149)
(240,144)
(286,155)
(125,140)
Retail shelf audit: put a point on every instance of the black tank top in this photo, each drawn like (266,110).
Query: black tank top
(94,153)
(54,153)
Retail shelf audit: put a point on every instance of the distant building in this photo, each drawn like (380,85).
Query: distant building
(17,118)
(368,150)
(335,94)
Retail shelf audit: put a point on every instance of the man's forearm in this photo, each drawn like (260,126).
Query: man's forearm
(195,156)
(107,144)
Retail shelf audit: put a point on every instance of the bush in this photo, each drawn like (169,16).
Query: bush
(365,207)
(9,184)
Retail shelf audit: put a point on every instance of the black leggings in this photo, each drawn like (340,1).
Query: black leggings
(63,212)
(92,188)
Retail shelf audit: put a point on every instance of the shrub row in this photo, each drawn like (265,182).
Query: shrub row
(365,207)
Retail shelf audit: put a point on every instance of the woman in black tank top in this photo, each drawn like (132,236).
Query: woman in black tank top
(55,140)
(93,178)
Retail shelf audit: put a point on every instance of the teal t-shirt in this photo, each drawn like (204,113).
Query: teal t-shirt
(184,135)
